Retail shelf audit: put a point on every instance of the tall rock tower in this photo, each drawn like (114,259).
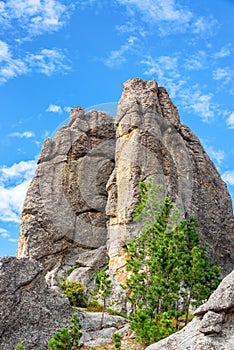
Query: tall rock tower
(79,206)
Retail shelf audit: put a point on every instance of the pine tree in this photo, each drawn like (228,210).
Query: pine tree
(103,285)
(168,265)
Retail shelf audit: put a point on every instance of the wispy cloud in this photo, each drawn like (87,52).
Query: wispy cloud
(194,100)
(4,233)
(23,170)
(46,61)
(216,155)
(160,10)
(225,51)
(204,26)
(230,121)
(228,176)
(165,70)
(196,61)
(224,75)
(14,183)
(34,17)
(118,57)
(53,108)
(24,134)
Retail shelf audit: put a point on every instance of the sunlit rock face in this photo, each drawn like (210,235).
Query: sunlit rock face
(79,206)
(63,218)
(151,142)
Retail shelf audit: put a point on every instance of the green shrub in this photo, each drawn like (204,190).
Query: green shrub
(67,338)
(117,340)
(75,293)
(61,340)
(20,347)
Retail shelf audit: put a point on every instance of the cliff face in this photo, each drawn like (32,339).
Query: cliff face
(78,209)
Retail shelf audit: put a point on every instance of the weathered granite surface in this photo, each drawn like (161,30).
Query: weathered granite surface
(63,217)
(213,325)
(66,212)
(30,312)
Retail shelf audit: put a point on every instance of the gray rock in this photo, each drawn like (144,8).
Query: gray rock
(30,312)
(152,142)
(93,335)
(221,299)
(212,322)
(63,217)
(66,211)
(209,330)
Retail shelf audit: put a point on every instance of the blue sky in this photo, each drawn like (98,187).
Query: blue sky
(57,54)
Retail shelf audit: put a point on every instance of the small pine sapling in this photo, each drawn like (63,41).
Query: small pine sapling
(103,285)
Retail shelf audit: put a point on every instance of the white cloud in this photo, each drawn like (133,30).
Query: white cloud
(194,100)
(165,70)
(223,52)
(204,25)
(159,10)
(228,176)
(54,108)
(196,61)
(35,17)
(25,134)
(223,74)
(4,51)
(67,109)
(46,61)
(13,240)
(117,57)
(14,183)
(4,233)
(216,155)
(230,121)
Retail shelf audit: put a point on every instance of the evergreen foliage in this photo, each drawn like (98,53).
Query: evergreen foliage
(75,293)
(103,285)
(67,338)
(117,340)
(169,267)
(20,347)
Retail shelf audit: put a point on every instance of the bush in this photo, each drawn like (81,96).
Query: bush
(117,340)
(75,293)
(20,347)
(66,338)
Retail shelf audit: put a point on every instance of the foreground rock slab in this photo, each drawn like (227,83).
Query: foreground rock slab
(213,325)
(30,311)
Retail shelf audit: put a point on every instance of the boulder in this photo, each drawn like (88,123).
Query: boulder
(30,311)
(212,327)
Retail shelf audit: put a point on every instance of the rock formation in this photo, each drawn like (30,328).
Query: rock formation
(78,213)
(30,311)
(66,211)
(63,218)
(151,142)
(212,327)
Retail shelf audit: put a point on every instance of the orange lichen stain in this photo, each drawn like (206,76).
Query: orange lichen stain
(25,216)
(131,134)
(118,265)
